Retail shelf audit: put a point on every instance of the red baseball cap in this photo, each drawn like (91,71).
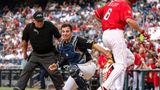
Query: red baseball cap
(133,1)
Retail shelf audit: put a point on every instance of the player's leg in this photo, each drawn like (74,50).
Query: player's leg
(119,83)
(130,58)
(77,75)
(88,69)
(130,61)
(70,84)
(118,47)
(80,73)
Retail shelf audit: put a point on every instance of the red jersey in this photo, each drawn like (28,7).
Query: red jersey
(114,14)
(158,50)
(150,75)
(156,79)
(102,61)
(143,55)
(137,60)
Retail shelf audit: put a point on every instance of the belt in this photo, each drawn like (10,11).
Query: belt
(40,52)
(113,29)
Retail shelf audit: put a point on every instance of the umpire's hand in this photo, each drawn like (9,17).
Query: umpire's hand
(53,67)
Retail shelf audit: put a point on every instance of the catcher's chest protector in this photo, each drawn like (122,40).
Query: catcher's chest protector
(68,51)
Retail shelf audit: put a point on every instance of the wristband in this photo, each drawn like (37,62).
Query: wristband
(142,31)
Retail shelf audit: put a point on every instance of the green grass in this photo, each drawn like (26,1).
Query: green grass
(11,88)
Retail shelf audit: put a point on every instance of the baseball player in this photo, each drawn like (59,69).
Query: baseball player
(113,17)
(81,66)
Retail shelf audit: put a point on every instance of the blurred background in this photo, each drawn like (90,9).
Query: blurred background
(15,14)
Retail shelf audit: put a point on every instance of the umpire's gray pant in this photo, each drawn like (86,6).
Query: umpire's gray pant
(40,60)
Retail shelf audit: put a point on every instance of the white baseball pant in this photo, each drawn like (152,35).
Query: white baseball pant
(119,83)
(114,40)
(88,70)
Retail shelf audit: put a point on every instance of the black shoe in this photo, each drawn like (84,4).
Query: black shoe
(42,88)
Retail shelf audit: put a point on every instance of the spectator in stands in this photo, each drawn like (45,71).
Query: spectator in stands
(151,65)
(156,77)
(138,64)
(40,34)
(7,65)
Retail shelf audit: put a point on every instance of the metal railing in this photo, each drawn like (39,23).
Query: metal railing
(143,71)
(10,72)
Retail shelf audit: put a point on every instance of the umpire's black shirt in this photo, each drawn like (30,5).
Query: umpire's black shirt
(41,39)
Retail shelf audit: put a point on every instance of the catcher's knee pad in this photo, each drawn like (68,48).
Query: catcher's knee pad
(74,71)
(76,74)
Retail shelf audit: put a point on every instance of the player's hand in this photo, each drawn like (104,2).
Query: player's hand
(53,67)
(145,34)
(109,55)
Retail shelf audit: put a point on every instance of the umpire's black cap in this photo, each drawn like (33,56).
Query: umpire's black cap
(38,15)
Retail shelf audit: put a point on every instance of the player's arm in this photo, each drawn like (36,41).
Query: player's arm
(102,50)
(98,19)
(98,14)
(133,24)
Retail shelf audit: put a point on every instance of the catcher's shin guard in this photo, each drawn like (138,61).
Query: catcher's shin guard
(76,74)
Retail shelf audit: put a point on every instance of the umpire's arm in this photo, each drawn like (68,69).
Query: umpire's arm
(24,49)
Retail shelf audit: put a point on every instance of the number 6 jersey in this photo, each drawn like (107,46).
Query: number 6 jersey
(114,14)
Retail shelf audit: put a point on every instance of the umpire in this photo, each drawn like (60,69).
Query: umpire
(40,34)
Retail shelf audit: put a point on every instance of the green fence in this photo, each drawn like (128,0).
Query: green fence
(10,72)
(143,71)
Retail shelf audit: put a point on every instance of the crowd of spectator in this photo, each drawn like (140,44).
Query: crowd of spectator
(80,16)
